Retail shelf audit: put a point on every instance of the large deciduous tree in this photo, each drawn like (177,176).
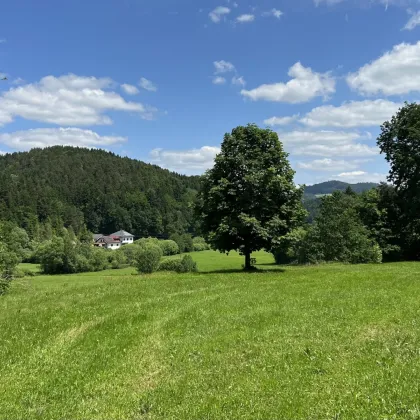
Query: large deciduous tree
(400,142)
(248,201)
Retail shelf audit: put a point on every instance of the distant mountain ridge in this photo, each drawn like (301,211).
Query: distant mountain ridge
(329,187)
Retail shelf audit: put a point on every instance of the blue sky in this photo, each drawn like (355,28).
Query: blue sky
(162,81)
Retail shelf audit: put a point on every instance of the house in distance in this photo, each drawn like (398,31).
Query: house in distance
(113,241)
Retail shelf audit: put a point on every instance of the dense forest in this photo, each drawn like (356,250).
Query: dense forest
(49,188)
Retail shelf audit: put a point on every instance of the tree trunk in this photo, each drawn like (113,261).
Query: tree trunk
(247,260)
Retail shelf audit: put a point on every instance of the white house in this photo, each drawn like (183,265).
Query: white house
(125,237)
(108,242)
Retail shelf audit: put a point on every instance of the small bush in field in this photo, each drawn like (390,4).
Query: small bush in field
(169,247)
(200,244)
(170,265)
(187,265)
(148,259)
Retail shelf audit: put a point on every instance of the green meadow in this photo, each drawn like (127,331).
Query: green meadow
(316,342)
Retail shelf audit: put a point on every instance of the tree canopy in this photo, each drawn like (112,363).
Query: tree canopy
(400,142)
(248,200)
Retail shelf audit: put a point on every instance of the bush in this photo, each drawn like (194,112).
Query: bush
(182,265)
(145,242)
(188,265)
(130,252)
(185,242)
(169,247)
(288,250)
(118,259)
(148,259)
(170,265)
(8,263)
(200,244)
(98,259)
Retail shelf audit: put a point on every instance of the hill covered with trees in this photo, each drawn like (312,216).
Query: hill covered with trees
(330,186)
(49,188)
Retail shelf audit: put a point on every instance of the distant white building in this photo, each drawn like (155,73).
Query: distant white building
(125,237)
(107,242)
(114,241)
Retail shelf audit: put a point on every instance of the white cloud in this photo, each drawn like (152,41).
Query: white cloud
(326,144)
(246,18)
(238,81)
(413,21)
(45,137)
(185,161)
(223,66)
(147,85)
(273,12)
(352,114)
(218,13)
(18,81)
(397,72)
(329,165)
(67,100)
(361,176)
(129,89)
(304,86)
(218,80)
(281,120)
(364,3)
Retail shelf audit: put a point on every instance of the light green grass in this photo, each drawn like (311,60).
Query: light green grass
(328,342)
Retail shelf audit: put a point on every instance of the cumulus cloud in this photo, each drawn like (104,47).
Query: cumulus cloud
(413,21)
(273,12)
(238,81)
(218,80)
(352,114)
(304,86)
(185,161)
(147,85)
(281,120)
(218,13)
(129,89)
(397,72)
(364,3)
(327,164)
(246,18)
(67,100)
(361,176)
(45,137)
(327,144)
(223,66)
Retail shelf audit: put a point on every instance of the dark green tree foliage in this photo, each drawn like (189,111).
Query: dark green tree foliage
(248,201)
(400,142)
(46,189)
(338,233)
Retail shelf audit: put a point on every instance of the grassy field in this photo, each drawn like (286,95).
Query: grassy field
(328,342)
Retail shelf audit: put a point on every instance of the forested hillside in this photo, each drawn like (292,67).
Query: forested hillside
(52,187)
(330,186)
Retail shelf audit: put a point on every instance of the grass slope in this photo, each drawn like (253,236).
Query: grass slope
(329,342)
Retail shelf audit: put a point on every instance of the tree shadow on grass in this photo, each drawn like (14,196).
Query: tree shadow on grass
(242,271)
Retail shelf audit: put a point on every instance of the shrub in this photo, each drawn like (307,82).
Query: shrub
(187,265)
(145,242)
(188,242)
(8,262)
(148,259)
(200,244)
(288,249)
(182,265)
(98,259)
(170,265)
(169,247)
(130,252)
(118,259)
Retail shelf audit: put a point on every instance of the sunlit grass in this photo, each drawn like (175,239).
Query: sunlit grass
(327,342)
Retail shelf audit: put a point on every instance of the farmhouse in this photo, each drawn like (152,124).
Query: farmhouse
(113,241)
